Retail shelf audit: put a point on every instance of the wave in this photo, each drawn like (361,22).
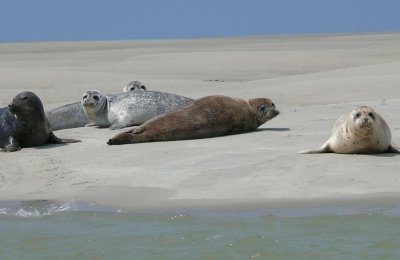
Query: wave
(41,208)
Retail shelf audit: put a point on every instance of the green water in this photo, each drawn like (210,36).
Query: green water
(188,234)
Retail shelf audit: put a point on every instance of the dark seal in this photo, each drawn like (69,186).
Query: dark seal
(24,124)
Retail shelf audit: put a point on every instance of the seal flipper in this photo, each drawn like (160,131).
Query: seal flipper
(55,140)
(393,149)
(12,145)
(324,149)
(139,129)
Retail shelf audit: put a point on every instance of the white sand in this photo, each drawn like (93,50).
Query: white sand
(311,79)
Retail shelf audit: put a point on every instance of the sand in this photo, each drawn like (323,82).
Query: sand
(313,79)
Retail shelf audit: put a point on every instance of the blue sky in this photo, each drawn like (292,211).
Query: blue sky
(43,20)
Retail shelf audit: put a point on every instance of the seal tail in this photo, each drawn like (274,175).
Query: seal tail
(134,135)
(55,140)
(122,138)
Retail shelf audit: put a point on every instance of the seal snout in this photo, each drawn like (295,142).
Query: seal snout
(12,107)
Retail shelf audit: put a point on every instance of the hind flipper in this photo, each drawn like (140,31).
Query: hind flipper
(393,149)
(55,140)
(12,145)
(324,149)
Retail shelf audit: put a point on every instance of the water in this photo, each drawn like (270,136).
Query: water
(71,230)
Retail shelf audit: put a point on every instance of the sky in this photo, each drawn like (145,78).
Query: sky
(60,20)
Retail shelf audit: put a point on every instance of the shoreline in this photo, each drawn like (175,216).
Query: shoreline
(347,205)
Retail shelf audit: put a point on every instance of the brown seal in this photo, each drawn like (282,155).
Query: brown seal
(361,131)
(205,117)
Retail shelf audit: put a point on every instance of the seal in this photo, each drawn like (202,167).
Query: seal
(73,115)
(134,86)
(128,109)
(24,124)
(361,131)
(206,117)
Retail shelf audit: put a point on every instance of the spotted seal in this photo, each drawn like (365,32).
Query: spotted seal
(24,124)
(73,115)
(361,131)
(206,117)
(128,109)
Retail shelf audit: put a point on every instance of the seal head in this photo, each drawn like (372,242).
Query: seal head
(134,86)
(96,106)
(264,109)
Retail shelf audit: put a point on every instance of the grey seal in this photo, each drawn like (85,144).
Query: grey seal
(73,115)
(24,124)
(361,131)
(206,117)
(128,109)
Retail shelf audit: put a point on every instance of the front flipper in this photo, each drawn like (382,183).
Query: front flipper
(55,140)
(138,130)
(393,149)
(324,149)
(11,146)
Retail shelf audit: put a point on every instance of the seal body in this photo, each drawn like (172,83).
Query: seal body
(206,117)
(73,115)
(24,124)
(128,109)
(68,116)
(362,131)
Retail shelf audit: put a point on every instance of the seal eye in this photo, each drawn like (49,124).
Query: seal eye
(84,96)
(262,108)
(25,98)
(358,115)
(371,114)
(95,97)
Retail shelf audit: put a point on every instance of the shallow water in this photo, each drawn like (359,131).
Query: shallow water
(71,230)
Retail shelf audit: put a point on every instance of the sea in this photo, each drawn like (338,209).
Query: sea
(84,230)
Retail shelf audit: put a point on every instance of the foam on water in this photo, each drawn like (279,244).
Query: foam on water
(40,208)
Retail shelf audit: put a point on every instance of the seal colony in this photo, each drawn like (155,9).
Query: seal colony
(167,117)
(128,109)
(24,124)
(361,131)
(210,116)
(73,115)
